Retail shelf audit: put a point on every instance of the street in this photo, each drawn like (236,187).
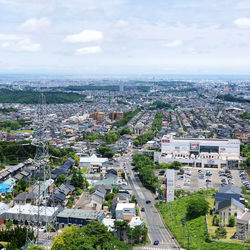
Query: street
(154,221)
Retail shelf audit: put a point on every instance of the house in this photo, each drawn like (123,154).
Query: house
(230,207)
(227,192)
(125,211)
(65,189)
(136,221)
(5,188)
(3,208)
(92,160)
(25,198)
(97,199)
(78,217)
(59,198)
(243,226)
(119,198)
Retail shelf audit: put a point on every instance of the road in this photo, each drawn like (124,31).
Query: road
(154,221)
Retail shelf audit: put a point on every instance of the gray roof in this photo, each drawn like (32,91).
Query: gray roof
(229,202)
(80,214)
(230,188)
(24,196)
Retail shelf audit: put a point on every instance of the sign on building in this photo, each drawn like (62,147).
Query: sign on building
(194,146)
(169,185)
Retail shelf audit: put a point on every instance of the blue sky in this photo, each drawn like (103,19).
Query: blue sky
(125,36)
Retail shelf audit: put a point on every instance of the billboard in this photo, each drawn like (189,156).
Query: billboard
(169,185)
(194,146)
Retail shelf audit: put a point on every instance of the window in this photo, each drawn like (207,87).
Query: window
(235,214)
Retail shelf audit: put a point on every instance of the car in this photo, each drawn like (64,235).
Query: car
(208,180)
(143,209)
(156,242)
(148,201)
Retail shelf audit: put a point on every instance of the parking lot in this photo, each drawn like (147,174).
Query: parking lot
(195,179)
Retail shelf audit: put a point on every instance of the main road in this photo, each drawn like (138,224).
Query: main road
(155,224)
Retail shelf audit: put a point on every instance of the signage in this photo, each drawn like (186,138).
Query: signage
(194,147)
(165,141)
(169,184)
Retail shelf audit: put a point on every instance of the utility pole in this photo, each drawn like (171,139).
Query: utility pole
(183,221)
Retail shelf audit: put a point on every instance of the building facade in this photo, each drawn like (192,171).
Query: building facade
(200,152)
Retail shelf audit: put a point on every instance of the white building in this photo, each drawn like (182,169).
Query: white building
(92,160)
(125,211)
(200,152)
(29,213)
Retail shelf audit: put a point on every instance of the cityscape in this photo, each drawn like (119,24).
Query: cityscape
(124,125)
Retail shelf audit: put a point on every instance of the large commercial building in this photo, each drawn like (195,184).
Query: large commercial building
(198,152)
(99,116)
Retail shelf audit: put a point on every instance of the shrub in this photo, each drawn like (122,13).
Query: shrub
(221,233)
(231,222)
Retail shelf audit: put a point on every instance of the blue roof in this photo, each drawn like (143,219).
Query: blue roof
(230,188)
(225,196)
(4,187)
(229,202)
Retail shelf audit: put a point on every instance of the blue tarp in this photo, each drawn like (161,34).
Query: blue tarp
(4,187)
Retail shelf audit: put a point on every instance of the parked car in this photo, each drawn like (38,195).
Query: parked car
(148,201)
(143,209)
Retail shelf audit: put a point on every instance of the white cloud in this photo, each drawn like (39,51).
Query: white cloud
(9,37)
(175,43)
(24,45)
(84,36)
(88,50)
(242,22)
(121,24)
(34,24)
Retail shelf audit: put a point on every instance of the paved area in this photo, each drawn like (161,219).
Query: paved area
(193,182)
(154,221)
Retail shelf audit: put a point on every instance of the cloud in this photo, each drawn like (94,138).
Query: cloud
(24,45)
(34,24)
(9,37)
(84,36)
(121,23)
(242,22)
(175,43)
(88,50)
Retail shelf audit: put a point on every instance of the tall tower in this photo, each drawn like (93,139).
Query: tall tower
(121,86)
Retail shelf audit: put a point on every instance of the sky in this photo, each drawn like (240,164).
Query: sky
(125,36)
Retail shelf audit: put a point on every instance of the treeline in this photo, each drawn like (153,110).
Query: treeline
(144,138)
(16,237)
(160,105)
(230,98)
(12,153)
(8,110)
(145,166)
(32,97)
(10,125)
(127,116)
(157,123)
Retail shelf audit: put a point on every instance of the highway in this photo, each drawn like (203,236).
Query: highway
(154,221)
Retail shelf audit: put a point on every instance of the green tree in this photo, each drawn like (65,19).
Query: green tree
(105,152)
(121,227)
(61,179)
(231,222)
(197,206)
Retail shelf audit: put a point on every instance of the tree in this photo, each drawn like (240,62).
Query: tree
(93,236)
(231,222)
(106,152)
(197,206)
(121,227)
(221,233)
(8,224)
(61,179)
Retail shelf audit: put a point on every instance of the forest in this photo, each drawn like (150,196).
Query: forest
(32,97)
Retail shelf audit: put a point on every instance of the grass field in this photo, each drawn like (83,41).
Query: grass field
(198,235)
